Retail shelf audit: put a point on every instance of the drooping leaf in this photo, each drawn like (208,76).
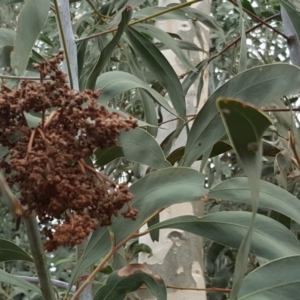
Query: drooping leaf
(292,28)
(107,51)
(9,2)
(243,46)
(28,30)
(269,240)
(246,140)
(148,103)
(129,279)
(156,62)
(265,283)
(182,14)
(114,83)
(6,37)
(141,147)
(8,198)
(258,86)
(10,251)
(218,148)
(167,40)
(270,196)
(192,76)
(13,280)
(105,156)
(155,191)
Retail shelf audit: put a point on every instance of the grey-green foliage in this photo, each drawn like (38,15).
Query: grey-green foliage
(135,77)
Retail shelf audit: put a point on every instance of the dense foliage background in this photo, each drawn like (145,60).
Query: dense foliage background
(247,129)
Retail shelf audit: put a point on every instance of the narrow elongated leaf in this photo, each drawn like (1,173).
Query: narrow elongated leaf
(141,147)
(258,86)
(270,196)
(152,193)
(10,251)
(160,67)
(8,198)
(105,156)
(292,28)
(167,40)
(192,76)
(243,47)
(28,30)
(278,279)
(13,280)
(114,83)
(182,14)
(270,238)
(6,37)
(129,279)
(107,51)
(9,2)
(246,141)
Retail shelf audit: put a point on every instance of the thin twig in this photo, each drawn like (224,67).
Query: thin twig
(212,289)
(232,43)
(297,109)
(55,282)
(260,20)
(23,77)
(139,21)
(98,269)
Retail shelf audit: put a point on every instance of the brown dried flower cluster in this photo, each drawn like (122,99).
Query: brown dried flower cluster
(47,162)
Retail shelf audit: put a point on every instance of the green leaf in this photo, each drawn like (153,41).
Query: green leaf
(10,251)
(264,283)
(258,86)
(6,43)
(167,40)
(28,30)
(9,2)
(218,148)
(8,197)
(246,141)
(13,280)
(245,138)
(114,83)
(294,24)
(270,196)
(3,151)
(156,62)
(182,14)
(6,37)
(155,191)
(108,50)
(270,239)
(243,47)
(105,156)
(128,280)
(141,147)
(192,76)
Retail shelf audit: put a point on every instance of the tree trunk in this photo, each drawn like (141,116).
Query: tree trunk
(178,256)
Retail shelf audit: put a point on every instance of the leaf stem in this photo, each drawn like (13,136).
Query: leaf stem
(140,20)
(38,254)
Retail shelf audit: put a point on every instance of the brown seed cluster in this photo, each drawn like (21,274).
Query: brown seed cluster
(48,162)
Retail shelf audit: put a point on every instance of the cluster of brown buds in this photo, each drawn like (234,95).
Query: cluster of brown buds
(49,162)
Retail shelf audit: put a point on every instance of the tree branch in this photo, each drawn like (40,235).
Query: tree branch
(55,282)
(139,21)
(253,16)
